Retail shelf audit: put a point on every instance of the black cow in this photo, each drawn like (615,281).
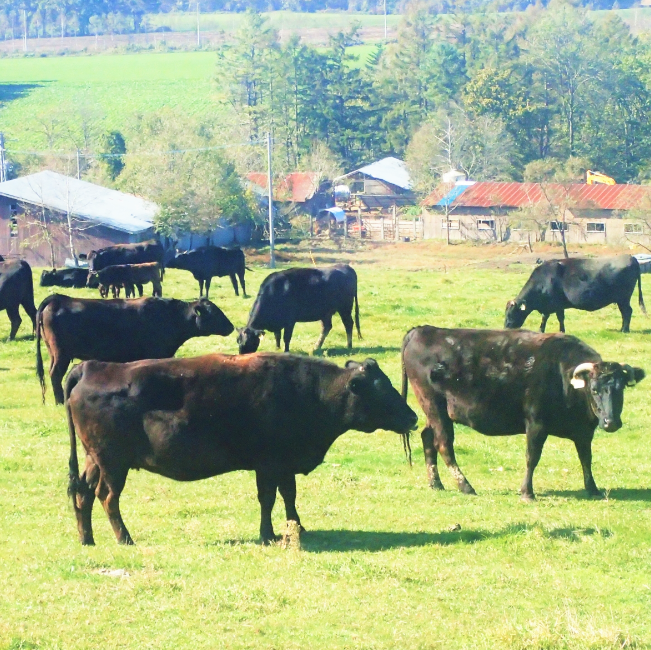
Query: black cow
(17,288)
(128,276)
(142,253)
(577,283)
(190,419)
(302,296)
(74,278)
(118,330)
(208,262)
(502,383)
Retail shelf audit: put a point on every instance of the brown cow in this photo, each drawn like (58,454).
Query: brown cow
(128,276)
(118,330)
(190,419)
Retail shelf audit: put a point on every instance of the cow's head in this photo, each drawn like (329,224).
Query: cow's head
(209,319)
(48,278)
(603,384)
(180,261)
(377,404)
(516,314)
(249,339)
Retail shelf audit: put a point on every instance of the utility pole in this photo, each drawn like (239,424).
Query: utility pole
(198,27)
(272,253)
(78,167)
(3,169)
(25,30)
(385,21)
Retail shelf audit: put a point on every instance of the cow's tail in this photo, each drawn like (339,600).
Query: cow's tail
(40,370)
(639,290)
(359,331)
(74,482)
(406,442)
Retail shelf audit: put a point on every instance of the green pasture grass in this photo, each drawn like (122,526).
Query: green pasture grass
(286,20)
(379,567)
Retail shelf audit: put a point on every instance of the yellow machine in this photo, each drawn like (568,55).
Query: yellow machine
(597,178)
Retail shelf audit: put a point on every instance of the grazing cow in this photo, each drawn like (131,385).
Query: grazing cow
(502,383)
(302,296)
(189,419)
(142,253)
(17,288)
(207,262)
(587,284)
(128,275)
(73,278)
(118,330)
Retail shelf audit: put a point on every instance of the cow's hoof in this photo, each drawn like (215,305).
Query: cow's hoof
(436,485)
(466,488)
(88,542)
(599,495)
(270,541)
(527,498)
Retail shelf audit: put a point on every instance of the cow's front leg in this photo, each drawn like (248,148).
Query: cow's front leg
(208,281)
(561,319)
(278,335)
(584,449)
(234,282)
(543,322)
(433,478)
(200,280)
(267,498)
(535,441)
(326,326)
(15,320)
(287,489)
(287,335)
(626,311)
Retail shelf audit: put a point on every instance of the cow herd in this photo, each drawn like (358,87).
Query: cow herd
(134,406)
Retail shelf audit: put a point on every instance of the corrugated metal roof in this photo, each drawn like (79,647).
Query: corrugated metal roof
(392,170)
(297,187)
(516,195)
(84,200)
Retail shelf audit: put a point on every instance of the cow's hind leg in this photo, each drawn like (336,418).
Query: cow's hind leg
(543,322)
(443,428)
(287,489)
(243,283)
(326,326)
(535,441)
(277,336)
(347,320)
(58,368)
(234,282)
(28,306)
(584,449)
(208,281)
(267,486)
(561,320)
(108,492)
(200,280)
(287,335)
(626,311)
(431,456)
(15,319)
(83,500)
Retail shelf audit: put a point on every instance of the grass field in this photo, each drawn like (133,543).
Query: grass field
(379,568)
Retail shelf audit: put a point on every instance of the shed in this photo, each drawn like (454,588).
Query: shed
(35,211)
(380,185)
(302,190)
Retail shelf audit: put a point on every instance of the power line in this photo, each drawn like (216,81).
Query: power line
(57,154)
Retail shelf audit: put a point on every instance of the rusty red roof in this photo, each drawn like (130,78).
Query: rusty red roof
(516,195)
(297,187)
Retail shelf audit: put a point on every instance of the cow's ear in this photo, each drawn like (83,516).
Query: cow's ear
(352,364)
(370,365)
(633,375)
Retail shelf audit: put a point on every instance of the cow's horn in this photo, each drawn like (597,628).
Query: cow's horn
(582,367)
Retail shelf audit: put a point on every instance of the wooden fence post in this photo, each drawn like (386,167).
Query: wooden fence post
(359,223)
(396,224)
(382,227)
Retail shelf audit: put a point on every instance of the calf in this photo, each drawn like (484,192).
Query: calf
(587,284)
(503,383)
(128,276)
(302,296)
(16,289)
(118,330)
(190,419)
(120,254)
(207,262)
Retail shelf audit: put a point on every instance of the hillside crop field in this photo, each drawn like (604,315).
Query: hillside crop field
(381,565)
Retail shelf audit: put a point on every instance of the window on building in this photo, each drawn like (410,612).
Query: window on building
(559,225)
(485,224)
(454,224)
(13,227)
(595,227)
(357,187)
(633,228)
(14,208)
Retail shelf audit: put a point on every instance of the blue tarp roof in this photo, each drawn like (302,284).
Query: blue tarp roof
(453,194)
(83,200)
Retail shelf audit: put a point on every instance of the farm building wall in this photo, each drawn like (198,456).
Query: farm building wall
(582,227)
(21,236)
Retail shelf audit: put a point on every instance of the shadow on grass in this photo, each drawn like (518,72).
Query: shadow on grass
(9,92)
(617,494)
(20,337)
(345,352)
